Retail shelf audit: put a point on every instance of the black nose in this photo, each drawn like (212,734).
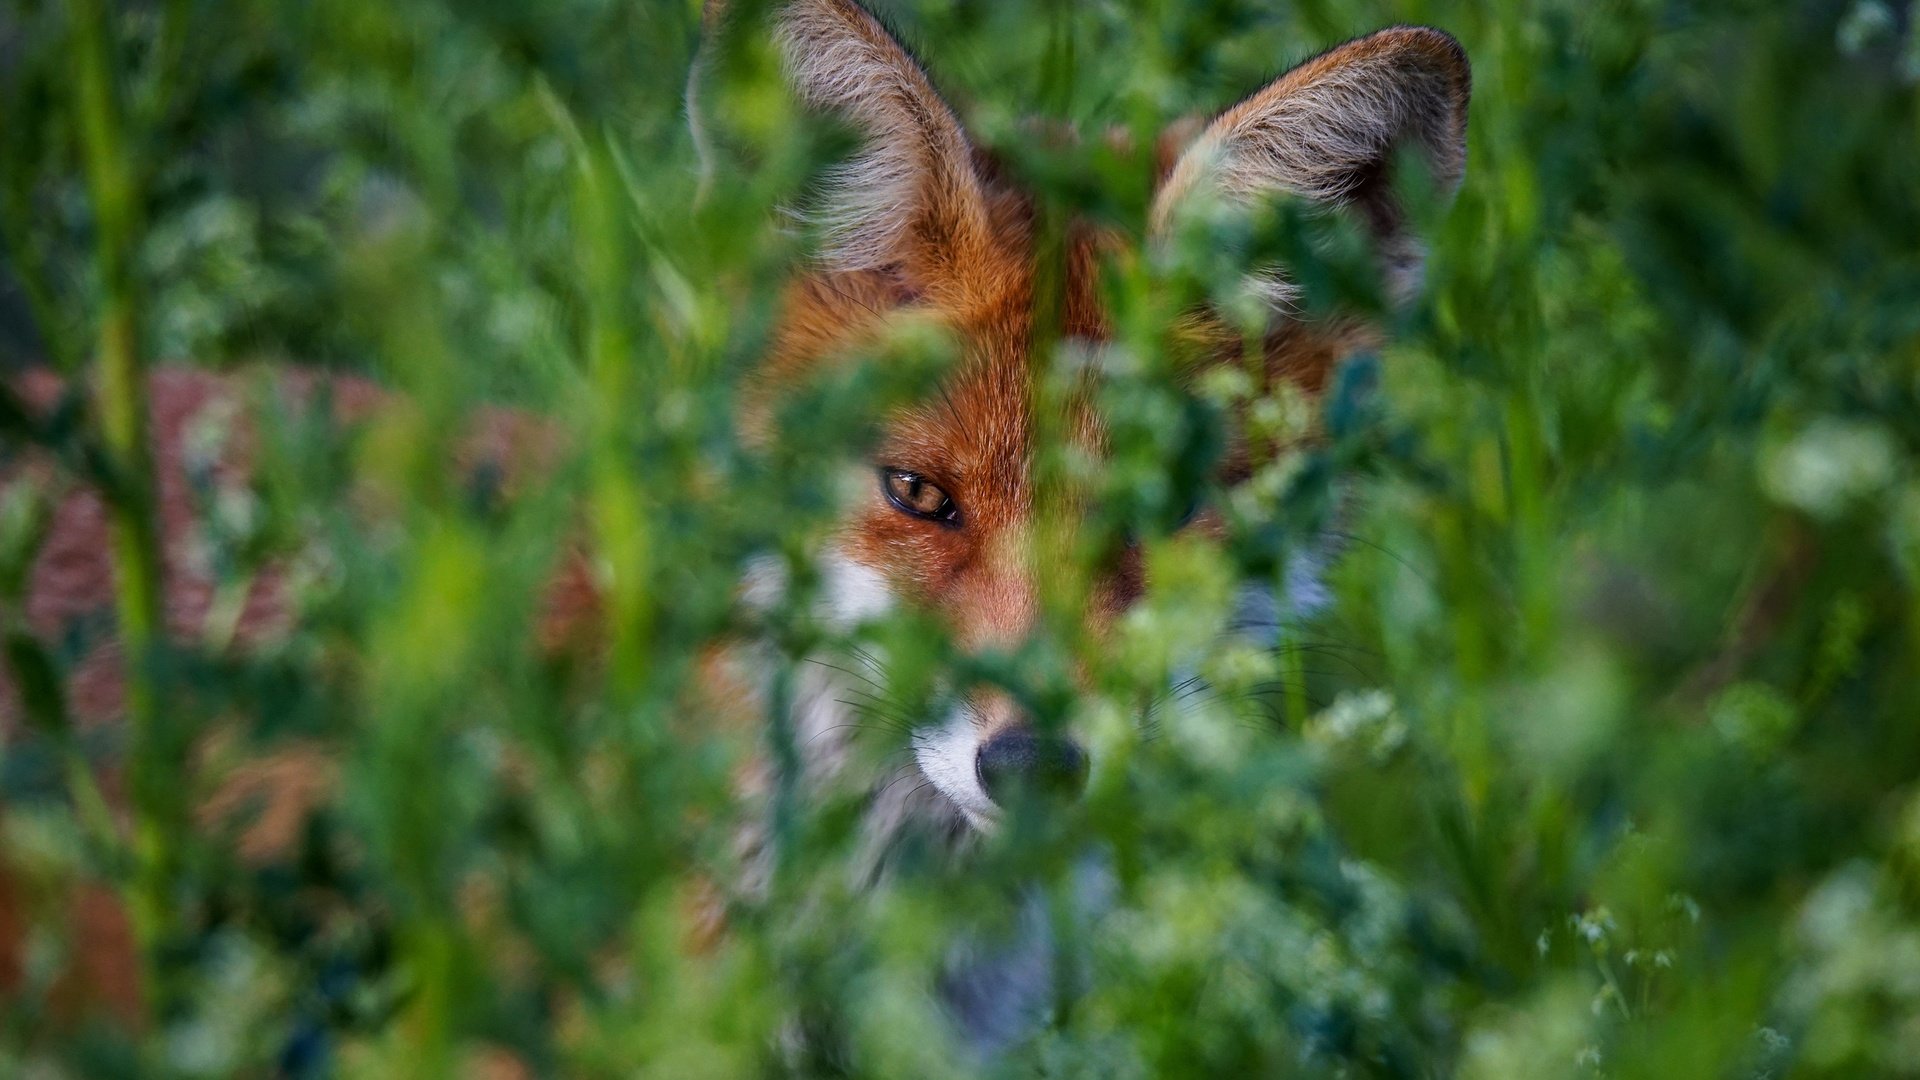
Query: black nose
(1019,760)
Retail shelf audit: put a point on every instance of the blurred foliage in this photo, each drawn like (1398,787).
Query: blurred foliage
(1605,761)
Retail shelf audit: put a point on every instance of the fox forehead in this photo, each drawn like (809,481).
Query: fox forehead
(976,431)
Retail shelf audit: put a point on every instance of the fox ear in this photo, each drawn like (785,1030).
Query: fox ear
(1329,130)
(912,197)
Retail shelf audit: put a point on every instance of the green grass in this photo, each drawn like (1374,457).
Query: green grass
(1605,762)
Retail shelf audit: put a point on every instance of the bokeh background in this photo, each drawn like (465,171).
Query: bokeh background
(1604,760)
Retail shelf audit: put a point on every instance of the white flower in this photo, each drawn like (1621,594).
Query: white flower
(1593,926)
(1828,465)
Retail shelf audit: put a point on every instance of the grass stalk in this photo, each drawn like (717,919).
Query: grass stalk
(121,412)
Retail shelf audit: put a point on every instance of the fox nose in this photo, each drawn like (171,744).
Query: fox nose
(1020,760)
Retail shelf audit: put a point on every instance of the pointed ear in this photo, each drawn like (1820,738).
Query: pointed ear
(1329,131)
(912,197)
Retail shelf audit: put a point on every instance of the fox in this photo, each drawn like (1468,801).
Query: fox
(919,223)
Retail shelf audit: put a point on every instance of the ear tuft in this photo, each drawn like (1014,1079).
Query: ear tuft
(912,197)
(1328,131)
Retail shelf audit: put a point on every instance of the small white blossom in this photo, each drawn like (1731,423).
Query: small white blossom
(1365,719)
(1592,926)
(1685,904)
(1830,464)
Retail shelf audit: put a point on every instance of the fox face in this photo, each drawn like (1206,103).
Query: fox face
(920,224)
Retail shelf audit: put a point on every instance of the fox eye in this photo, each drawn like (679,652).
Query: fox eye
(914,494)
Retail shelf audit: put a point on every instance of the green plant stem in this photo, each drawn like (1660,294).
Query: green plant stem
(122,415)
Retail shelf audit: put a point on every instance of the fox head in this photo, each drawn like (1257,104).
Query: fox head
(921,222)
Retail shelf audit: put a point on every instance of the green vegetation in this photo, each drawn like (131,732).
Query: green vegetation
(1604,761)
